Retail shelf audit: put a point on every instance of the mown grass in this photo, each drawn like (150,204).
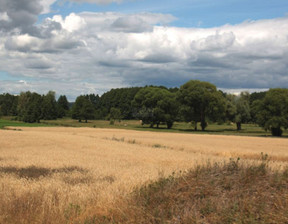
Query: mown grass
(231,193)
(179,127)
(7,122)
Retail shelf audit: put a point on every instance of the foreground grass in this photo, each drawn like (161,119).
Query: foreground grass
(86,175)
(229,193)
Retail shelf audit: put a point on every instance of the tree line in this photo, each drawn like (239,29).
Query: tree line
(196,102)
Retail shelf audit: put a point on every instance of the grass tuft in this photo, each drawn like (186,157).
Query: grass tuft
(229,193)
(33,172)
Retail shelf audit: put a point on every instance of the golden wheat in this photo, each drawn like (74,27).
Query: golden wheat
(58,175)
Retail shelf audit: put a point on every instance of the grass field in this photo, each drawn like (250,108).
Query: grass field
(72,175)
(179,127)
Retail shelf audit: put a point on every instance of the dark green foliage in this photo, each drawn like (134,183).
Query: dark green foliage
(62,106)
(8,104)
(238,108)
(115,114)
(201,100)
(94,99)
(272,111)
(118,98)
(83,109)
(49,109)
(29,109)
(156,105)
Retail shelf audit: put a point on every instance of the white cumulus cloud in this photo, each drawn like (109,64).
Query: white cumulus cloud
(94,52)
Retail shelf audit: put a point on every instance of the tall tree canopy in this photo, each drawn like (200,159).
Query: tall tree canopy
(8,104)
(29,107)
(49,106)
(272,111)
(201,100)
(156,105)
(121,99)
(63,106)
(238,108)
(83,109)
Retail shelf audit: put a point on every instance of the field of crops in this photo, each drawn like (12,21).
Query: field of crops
(59,175)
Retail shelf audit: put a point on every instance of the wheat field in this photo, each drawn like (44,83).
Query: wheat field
(62,175)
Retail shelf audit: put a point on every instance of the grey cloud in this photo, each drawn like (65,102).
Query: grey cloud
(38,63)
(131,24)
(159,58)
(26,43)
(215,42)
(22,14)
(105,50)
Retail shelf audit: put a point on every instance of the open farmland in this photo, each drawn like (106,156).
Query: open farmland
(58,175)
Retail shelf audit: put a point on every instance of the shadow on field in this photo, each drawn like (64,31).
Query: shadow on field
(33,172)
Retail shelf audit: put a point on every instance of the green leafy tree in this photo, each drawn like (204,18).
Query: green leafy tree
(115,114)
(242,109)
(29,107)
(254,99)
(118,98)
(272,111)
(49,106)
(8,104)
(83,109)
(156,105)
(230,111)
(201,100)
(62,106)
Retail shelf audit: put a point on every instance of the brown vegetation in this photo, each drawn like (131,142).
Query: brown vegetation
(69,175)
(229,193)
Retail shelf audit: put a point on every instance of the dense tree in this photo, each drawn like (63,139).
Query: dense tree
(272,111)
(242,114)
(254,97)
(62,106)
(156,105)
(83,109)
(115,114)
(29,107)
(201,100)
(94,99)
(238,108)
(230,108)
(118,98)
(8,104)
(49,107)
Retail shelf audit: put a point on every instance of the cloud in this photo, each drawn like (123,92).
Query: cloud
(21,15)
(93,52)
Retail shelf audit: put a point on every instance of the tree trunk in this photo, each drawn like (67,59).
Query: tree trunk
(276,131)
(195,127)
(203,121)
(169,125)
(203,124)
(238,126)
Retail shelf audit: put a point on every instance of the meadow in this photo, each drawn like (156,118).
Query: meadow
(74,175)
(178,127)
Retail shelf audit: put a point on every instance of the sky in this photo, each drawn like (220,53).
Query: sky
(76,47)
